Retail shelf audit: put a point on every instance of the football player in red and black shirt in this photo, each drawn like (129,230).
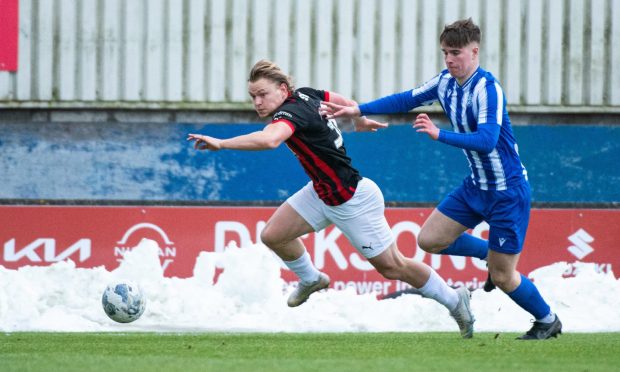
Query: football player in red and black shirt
(336,193)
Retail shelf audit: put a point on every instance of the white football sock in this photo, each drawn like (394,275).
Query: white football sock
(437,289)
(548,319)
(304,268)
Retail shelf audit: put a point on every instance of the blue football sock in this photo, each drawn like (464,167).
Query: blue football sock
(468,245)
(527,296)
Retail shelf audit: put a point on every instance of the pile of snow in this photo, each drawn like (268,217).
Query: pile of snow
(249,297)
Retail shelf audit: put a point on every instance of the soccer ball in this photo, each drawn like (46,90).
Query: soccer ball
(123,301)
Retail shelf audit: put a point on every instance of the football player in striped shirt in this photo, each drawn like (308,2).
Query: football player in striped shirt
(497,190)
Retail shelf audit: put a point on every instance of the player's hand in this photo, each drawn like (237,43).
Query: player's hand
(332,110)
(424,124)
(364,124)
(205,142)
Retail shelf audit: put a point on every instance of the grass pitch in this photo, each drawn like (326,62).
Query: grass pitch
(305,352)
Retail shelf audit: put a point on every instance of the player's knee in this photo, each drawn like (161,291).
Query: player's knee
(428,242)
(270,237)
(502,279)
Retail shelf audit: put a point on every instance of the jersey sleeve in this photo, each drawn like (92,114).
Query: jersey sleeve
(490,99)
(321,95)
(483,140)
(403,102)
(285,115)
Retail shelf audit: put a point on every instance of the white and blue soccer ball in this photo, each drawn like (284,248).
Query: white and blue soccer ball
(123,301)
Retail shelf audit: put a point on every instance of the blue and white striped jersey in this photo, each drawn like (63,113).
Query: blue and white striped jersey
(477,111)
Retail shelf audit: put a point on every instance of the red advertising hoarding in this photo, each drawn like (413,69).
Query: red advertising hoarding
(95,236)
(9,27)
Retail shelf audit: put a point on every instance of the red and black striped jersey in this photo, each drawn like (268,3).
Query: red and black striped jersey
(318,145)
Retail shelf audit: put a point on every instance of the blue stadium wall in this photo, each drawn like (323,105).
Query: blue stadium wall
(154,163)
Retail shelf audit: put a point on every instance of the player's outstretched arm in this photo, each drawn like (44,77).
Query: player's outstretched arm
(269,138)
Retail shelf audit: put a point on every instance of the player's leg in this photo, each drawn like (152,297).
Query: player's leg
(502,268)
(443,235)
(299,215)
(508,223)
(444,230)
(393,265)
(282,233)
(362,220)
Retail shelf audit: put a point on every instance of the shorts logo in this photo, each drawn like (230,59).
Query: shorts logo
(502,241)
(369,246)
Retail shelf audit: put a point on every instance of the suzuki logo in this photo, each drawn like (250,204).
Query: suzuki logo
(82,246)
(581,248)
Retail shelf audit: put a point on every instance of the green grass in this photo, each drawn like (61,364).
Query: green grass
(305,352)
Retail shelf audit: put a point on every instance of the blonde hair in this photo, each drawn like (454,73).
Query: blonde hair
(265,69)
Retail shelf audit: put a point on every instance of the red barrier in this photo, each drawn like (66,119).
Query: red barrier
(95,236)
(9,32)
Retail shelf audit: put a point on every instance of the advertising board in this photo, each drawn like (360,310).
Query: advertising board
(99,235)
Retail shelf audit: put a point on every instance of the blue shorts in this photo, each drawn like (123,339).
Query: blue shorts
(507,212)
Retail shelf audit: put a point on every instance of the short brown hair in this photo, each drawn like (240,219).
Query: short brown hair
(460,33)
(269,70)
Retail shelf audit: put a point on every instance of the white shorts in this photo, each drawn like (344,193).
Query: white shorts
(361,219)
